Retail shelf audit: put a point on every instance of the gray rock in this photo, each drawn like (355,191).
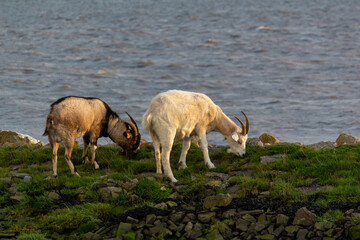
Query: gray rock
(162,206)
(218,176)
(18,139)
(304,217)
(196,231)
(109,194)
(220,200)
(150,219)
(346,139)
(53,196)
(301,234)
(206,217)
(177,216)
(249,218)
(159,230)
(242,225)
(27,178)
(225,230)
(271,159)
(282,219)
(214,235)
(123,229)
(229,213)
(279,230)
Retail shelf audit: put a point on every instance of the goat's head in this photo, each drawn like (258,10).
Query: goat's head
(237,140)
(126,134)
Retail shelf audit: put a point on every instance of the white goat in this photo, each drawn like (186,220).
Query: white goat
(175,115)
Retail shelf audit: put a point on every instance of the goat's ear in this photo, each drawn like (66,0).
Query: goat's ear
(235,136)
(127,135)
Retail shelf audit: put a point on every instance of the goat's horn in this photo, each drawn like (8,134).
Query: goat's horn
(247,123)
(134,122)
(242,126)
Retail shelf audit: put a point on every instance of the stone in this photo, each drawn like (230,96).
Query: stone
(27,178)
(249,218)
(206,217)
(123,229)
(150,219)
(214,235)
(132,220)
(271,159)
(214,184)
(225,230)
(18,139)
(171,204)
(129,186)
(254,142)
(259,226)
(162,206)
(109,194)
(196,231)
(291,229)
(304,217)
(177,216)
(53,196)
(268,139)
(220,200)
(282,219)
(217,176)
(229,213)
(266,237)
(242,225)
(346,139)
(301,234)
(279,230)
(322,145)
(159,230)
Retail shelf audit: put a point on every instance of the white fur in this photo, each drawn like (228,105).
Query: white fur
(176,115)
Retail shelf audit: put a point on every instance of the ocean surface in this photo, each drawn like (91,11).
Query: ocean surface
(292,66)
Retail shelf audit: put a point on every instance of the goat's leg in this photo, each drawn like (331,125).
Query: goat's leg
(93,154)
(85,157)
(167,140)
(165,157)
(69,145)
(204,148)
(55,147)
(185,148)
(156,144)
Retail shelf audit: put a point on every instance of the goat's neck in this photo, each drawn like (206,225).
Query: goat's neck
(224,124)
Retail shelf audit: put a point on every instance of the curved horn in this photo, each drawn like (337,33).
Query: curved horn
(243,132)
(247,123)
(134,122)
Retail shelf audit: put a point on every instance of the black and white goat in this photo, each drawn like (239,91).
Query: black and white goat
(91,118)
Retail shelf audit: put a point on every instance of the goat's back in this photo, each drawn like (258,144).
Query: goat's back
(77,112)
(180,110)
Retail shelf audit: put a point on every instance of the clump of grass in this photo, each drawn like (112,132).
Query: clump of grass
(249,185)
(69,219)
(285,191)
(151,190)
(32,236)
(332,216)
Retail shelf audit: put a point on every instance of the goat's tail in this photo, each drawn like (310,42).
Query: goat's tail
(146,121)
(48,125)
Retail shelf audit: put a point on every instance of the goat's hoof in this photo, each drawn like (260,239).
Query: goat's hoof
(96,166)
(182,166)
(76,174)
(55,175)
(211,165)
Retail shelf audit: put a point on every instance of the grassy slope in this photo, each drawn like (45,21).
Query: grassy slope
(338,168)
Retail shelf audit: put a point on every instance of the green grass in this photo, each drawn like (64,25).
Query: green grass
(338,168)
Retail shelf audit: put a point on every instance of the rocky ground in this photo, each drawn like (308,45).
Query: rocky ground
(212,212)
